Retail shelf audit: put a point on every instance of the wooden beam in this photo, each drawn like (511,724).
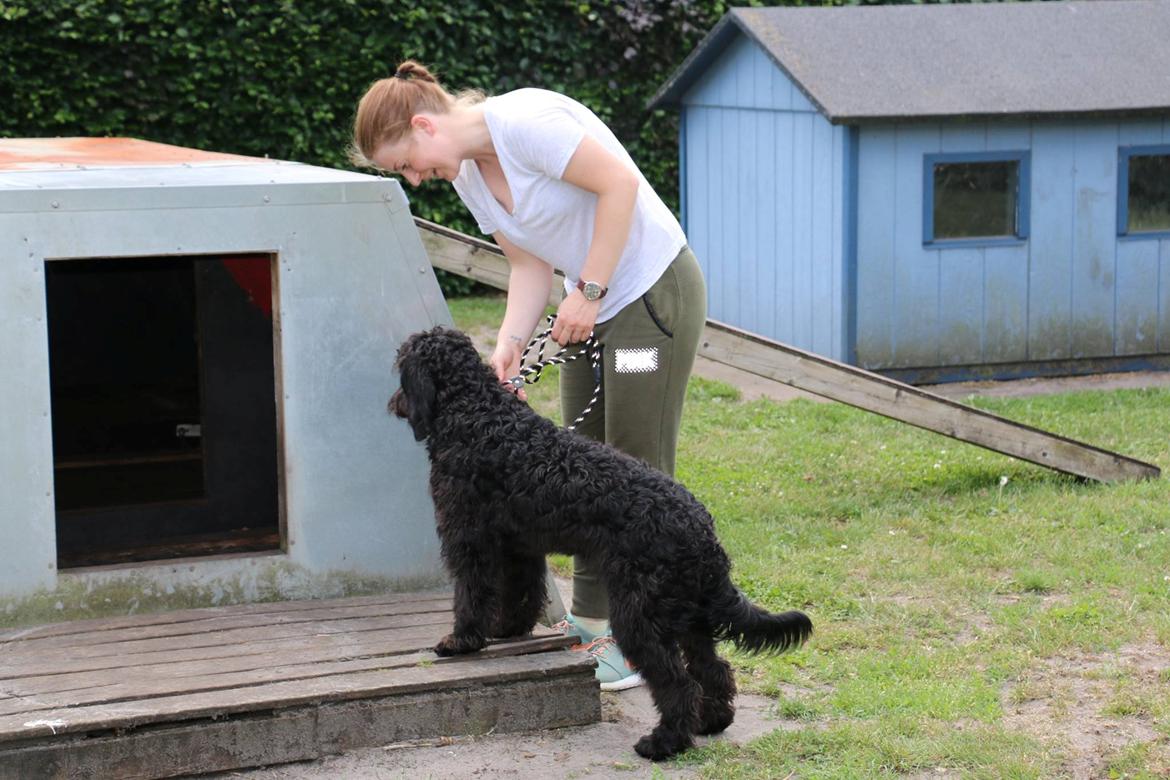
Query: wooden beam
(906,403)
(473,258)
(467,256)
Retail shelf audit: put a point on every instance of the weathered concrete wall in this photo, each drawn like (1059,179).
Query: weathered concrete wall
(353,280)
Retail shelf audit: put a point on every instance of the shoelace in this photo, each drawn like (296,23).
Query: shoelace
(565,627)
(599,645)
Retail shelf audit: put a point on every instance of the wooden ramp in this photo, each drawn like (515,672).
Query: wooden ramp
(461,254)
(906,403)
(217,689)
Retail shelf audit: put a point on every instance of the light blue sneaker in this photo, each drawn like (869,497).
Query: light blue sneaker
(570,627)
(613,670)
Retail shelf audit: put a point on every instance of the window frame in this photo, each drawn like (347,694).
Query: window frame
(1023,158)
(1123,155)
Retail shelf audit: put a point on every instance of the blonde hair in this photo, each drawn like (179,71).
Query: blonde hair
(385,111)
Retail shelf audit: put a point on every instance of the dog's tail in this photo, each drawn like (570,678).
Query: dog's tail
(757,630)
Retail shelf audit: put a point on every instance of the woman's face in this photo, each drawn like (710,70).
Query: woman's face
(423,154)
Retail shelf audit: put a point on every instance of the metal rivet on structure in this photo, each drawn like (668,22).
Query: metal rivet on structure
(55,204)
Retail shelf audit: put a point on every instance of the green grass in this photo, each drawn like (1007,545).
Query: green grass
(946,582)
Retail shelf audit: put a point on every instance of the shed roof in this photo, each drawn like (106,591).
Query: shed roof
(877,63)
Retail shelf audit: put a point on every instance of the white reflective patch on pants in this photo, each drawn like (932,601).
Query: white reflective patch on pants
(643,360)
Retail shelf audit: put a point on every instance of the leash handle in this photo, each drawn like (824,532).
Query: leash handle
(530,373)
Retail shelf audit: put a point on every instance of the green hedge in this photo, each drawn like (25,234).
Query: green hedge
(282,78)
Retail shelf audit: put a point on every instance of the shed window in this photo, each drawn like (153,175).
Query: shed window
(1144,190)
(976,198)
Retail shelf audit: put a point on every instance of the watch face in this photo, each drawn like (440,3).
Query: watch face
(592,291)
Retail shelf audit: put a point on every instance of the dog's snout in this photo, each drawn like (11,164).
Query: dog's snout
(397,405)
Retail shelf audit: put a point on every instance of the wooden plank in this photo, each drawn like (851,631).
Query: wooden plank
(120,685)
(350,644)
(1164,289)
(91,625)
(960,317)
(283,694)
(1136,331)
(220,622)
(30,682)
(473,258)
(22,665)
(230,636)
(42,683)
(876,256)
(1005,304)
(1050,267)
(1094,255)
(915,314)
(906,403)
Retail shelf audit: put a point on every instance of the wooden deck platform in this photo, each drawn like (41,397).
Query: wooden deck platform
(216,689)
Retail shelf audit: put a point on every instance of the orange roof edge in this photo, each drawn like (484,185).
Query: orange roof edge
(54,153)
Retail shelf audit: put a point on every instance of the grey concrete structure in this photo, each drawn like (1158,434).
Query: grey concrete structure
(350,280)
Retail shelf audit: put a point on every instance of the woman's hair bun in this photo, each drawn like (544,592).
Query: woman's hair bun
(411,69)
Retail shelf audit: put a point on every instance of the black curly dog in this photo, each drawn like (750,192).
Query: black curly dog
(509,487)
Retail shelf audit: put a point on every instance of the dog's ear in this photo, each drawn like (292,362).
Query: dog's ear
(419,389)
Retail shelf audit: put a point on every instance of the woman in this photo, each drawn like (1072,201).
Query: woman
(556,190)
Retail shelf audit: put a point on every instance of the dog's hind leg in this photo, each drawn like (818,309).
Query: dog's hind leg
(676,694)
(522,595)
(714,675)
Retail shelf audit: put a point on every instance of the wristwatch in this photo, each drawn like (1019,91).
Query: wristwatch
(593,291)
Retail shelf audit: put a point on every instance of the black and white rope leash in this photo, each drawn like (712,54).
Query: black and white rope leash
(530,373)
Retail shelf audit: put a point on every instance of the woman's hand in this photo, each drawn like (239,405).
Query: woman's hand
(575,319)
(505,361)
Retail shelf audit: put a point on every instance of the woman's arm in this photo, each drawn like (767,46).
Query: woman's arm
(592,167)
(529,284)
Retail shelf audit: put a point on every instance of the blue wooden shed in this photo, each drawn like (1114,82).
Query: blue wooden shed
(936,192)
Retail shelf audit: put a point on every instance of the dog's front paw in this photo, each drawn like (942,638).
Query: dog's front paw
(660,744)
(454,644)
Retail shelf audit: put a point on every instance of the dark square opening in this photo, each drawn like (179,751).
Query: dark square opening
(163,407)
(1149,193)
(976,199)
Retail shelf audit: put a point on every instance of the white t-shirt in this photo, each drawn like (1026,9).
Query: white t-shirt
(535,132)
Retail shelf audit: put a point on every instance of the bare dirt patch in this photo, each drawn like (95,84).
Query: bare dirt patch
(1078,705)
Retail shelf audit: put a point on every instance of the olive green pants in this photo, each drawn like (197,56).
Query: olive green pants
(648,351)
